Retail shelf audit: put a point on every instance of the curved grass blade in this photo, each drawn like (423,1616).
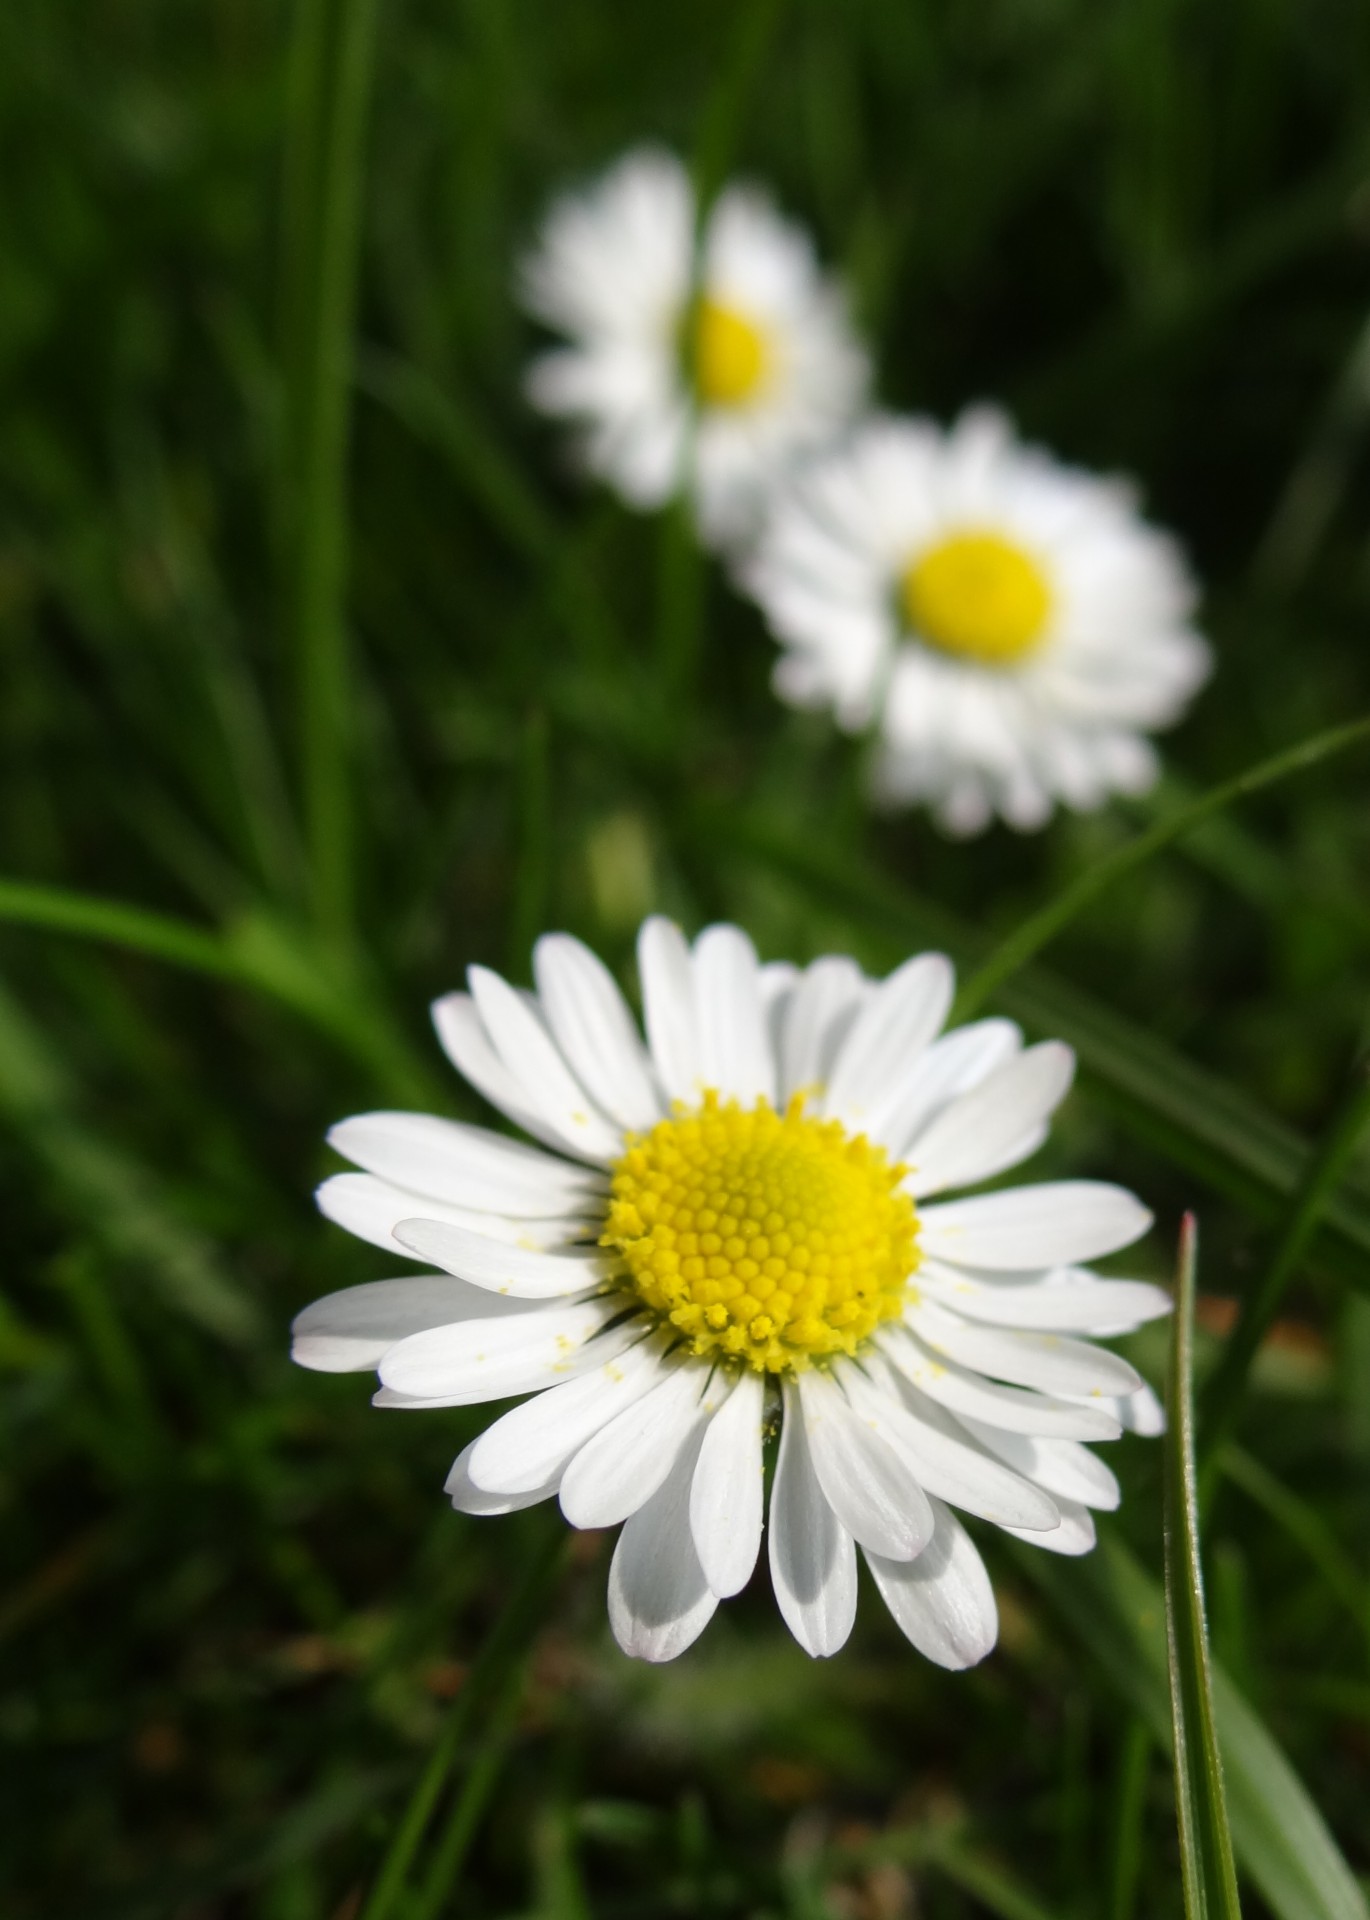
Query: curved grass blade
(1043,926)
(1210,1875)
(1196,1119)
(1116,1611)
(1223,1391)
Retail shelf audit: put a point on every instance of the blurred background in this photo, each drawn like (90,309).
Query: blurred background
(237,1612)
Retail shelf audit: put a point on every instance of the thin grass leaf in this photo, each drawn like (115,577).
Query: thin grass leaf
(1116,1611)
(501,1656)
(1196,1119)
(108,1188)
(1210,1875)
(1223,1392)
(324,171)
(1043,926)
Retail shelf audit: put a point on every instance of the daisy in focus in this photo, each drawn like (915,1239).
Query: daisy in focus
(1011,624)
(733,1226)
(723,384)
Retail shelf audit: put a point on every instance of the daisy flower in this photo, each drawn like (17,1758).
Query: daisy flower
(1011,623)
(732,1228)
(726,379)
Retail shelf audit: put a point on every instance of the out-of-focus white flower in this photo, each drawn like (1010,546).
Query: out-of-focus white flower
(1012,624)
(724,384)
(734,1224)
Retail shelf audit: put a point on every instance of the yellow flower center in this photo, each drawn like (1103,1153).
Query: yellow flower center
(977,595)
(772,1239)
(728,355)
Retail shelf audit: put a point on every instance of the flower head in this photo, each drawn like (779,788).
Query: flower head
(1010,624)
(727,380)
(736,1222)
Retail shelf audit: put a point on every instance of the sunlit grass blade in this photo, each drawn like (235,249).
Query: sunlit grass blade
(258,952)
(1221,1399)
(1043,926)
(1210,1875)
(1208,1127)
(324,172)
(1116,1611)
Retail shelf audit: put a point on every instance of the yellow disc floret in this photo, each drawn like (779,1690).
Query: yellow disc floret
(729,355)
(978,595)
(772,1239)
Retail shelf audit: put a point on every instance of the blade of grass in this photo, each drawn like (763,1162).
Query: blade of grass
(1043,926)
(1129,1819)
(102,1184)
(1192,1116)
(1116,1612)
(502,1653)
(1222,1396)
(1304,1525)
(324,171)
(1209,1873)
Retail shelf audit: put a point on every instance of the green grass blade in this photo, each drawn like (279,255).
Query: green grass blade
(324,171)
(501,1656)
(1043,926)
(1116,1611)
(1210,1876)
(1223,1392)
(1192,1116)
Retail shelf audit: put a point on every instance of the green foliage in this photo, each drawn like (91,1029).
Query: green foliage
(314,693)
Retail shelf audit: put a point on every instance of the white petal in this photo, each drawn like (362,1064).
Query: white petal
(897,1020)
(820,1009)
(1051,1361)
(943,1458)
(464,1040)
(525,1274)
(531,1445)
(591,1024)
(668,999)
(659,1599)
(1069,1300)
(727,1495)
(623,1465)
(943,1600)
(350,1331)
(979,1135)
(1141,1412)
(1015,1409)
(467,1497)
(489,1359)
(951,1066)
(536,1062)
(463,1166)
(735,1049)
(1051,1225)
(812,1555)
(868,1485)
(372,1209)
(1074,1536)
(1065,1470)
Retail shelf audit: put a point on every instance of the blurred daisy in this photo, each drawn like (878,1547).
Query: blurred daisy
(733,1226)
(728,385)
(1011,623)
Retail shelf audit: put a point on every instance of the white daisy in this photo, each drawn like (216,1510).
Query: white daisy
(728,385)
(731,1225)
(1012,623)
